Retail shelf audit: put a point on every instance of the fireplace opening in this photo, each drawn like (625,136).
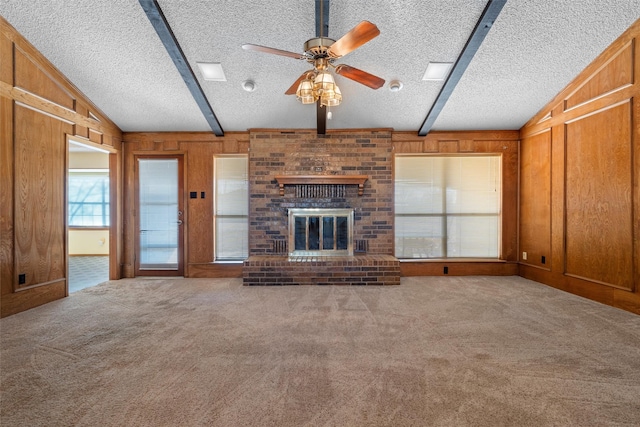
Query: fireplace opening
(320,232)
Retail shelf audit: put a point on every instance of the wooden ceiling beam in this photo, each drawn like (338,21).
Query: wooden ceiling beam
(484,24)
(322,30)
(160,24)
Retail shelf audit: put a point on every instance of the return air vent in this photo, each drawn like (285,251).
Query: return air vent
(280,247)
(321,180)
(307,191)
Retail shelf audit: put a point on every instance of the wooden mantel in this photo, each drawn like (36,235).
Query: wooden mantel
(321,180)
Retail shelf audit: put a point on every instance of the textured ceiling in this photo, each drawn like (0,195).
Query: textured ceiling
(110,51)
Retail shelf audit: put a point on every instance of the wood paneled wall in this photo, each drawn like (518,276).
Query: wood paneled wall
(198,149)
(504,143)
(39,109)
(580,182)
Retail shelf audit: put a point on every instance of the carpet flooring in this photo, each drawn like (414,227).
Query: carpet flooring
(434,351)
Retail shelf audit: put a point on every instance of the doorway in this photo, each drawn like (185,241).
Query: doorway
(88,215)
(159,208)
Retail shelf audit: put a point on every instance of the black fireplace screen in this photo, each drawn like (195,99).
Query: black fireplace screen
(323,232)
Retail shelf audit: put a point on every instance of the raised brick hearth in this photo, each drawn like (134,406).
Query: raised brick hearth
(354,270)
(341,170)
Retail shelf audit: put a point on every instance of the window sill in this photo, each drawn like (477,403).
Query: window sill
(90,227)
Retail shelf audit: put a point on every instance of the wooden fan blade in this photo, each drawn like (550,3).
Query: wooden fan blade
(360,76)
(258,48)
(294,87)
(359,35)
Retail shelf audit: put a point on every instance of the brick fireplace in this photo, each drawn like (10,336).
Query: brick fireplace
(339,172)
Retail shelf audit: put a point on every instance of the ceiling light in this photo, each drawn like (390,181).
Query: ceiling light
(319,85)
(395,85)
(212,71)
(249,85)
(437,71)
(305,92)
(331,98)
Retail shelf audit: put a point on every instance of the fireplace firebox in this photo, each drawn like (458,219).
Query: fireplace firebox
(320,232)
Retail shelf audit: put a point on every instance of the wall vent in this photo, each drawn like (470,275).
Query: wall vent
(319,191)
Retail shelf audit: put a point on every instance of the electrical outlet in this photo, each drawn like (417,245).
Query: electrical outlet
(543,259)
(22,279)
(446,270)
(524,256)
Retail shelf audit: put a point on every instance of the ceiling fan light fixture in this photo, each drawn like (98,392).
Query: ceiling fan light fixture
(305,93)
(331,98)
(324,81)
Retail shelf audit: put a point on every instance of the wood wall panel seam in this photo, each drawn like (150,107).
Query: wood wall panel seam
(37,285)
(598,111)
(625,78)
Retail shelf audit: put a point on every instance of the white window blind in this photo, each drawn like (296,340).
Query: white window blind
(231,208)
(447,206)
(158,214)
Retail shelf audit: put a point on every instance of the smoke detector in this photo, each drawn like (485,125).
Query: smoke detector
(249,85)
(395,85)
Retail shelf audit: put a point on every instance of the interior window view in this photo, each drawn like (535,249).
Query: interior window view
(320,213)
(88,216)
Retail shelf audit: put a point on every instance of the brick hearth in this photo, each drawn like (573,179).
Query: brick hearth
(265,270)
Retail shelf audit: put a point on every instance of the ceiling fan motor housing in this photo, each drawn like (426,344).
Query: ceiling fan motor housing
(317,47)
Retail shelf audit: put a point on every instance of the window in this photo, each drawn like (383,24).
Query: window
(231,208)
(88,198)
(447,206)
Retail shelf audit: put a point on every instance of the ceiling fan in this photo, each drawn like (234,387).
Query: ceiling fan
(317,85)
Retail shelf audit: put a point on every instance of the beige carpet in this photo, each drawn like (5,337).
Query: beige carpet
(475,351)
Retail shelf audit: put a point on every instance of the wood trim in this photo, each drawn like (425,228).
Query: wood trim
(30,298)
(48,107)
(475,135)
(215,270)
(458,268)
(116,238)
(358,180)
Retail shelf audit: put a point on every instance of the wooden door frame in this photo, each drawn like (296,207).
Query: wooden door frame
(179,272)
